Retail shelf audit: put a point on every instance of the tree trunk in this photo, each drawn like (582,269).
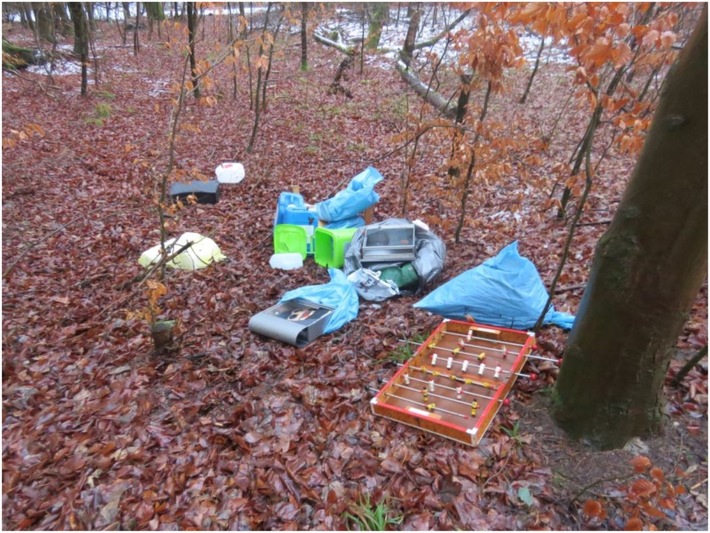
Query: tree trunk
(191,31)
(257,104)
(408,48)
(81,41)
(26,16)
(588,139)
(646,273)
(44,21)
(136,38)
(304,36)
(65,23)
(461,109)
(434,98)
(380,11)
(532,75)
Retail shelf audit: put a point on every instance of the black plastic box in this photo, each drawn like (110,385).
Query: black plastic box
(207,192)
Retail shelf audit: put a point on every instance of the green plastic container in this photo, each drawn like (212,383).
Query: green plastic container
(403,276)
(330,246)
(290,238)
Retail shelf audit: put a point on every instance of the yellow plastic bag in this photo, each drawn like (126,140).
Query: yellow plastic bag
(203,252)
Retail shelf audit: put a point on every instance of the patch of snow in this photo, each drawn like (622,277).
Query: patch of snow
(58,68)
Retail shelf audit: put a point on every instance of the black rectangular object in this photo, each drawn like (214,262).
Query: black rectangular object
(206,192)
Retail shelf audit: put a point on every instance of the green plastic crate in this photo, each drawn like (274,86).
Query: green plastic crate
(330,246)
(290,238)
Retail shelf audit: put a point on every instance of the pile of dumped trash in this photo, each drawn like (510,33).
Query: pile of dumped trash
(369,260)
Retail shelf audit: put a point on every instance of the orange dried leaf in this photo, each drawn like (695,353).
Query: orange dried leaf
(650,38)
(667,39)
(593,509)
(634,524)
(657,474)
(641,463)
(643,488)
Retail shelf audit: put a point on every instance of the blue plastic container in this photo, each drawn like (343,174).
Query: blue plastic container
(292,209)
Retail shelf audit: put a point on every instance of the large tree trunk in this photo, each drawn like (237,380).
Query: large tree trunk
(44,21)
(380,12)
(646,273)
(408,48)
(81,41)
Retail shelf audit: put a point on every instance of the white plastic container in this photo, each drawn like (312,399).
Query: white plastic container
(230,172)
(289,261)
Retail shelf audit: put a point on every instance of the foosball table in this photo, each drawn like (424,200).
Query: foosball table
(457,380)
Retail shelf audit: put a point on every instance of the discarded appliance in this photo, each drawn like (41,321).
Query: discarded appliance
(297,322)
(390,243)
(230,173)
(505,290)
(338,296)
(203,252)
(456,382)
(408,247)
(206,192)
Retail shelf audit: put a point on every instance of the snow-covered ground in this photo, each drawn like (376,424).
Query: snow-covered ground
(350,30)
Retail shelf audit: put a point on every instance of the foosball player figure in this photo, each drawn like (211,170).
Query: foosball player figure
(425,394)
(481,356)
(474,407)
(431,406)
(459,393)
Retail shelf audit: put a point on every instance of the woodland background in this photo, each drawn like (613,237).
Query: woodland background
(235,431)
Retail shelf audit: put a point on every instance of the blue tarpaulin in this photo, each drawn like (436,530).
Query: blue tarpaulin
(506,290)
(339,294)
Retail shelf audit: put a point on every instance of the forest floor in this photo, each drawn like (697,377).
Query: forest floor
(236,431)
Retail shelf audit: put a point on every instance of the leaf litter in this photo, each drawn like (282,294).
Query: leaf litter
(241,432)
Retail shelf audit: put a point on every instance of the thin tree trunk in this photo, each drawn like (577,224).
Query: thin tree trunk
(461,109)
(588,139)
(268,68)
(251,82)
(646,273)
(191,31)
(702,353)
(464,195)
(136,38)
(532,75)
(257,106)
(304,36)
(472,163)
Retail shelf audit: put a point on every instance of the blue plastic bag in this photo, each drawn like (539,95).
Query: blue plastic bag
(506,290)
(355,198)
(339,294)
(354,222)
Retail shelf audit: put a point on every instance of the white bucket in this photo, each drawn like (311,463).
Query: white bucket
(230,172)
